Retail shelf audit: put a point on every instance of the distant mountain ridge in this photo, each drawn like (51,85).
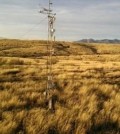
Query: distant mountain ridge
(99,41)
(2,38)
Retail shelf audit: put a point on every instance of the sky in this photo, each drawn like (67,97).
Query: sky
(75,19)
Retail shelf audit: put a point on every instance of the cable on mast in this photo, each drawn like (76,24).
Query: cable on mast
(50,51)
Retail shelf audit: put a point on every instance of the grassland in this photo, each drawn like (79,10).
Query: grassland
(87,82)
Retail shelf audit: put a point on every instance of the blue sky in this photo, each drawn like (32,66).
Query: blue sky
(76,19)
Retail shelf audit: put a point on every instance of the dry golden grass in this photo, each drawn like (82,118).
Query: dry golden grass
(87,81)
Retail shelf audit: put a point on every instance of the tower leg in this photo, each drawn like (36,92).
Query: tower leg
(51,104)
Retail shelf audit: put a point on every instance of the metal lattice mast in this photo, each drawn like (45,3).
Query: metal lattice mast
(50,52)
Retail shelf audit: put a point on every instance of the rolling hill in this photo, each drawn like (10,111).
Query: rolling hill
(86,88)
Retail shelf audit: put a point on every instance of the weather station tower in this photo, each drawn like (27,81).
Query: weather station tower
(50,52)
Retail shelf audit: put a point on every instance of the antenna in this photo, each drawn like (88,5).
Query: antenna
(50,51)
